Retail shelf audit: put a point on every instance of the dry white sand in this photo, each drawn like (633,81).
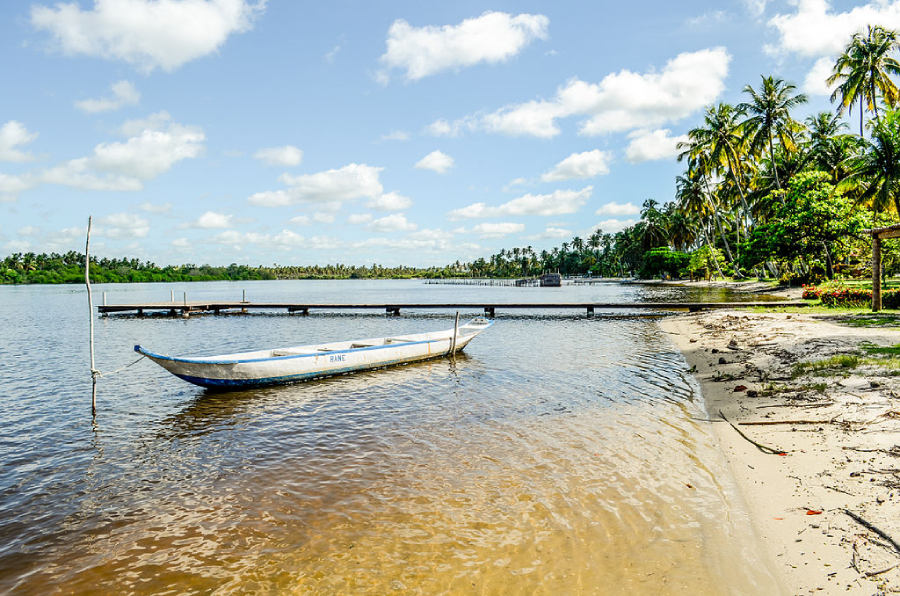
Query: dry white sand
(840,432)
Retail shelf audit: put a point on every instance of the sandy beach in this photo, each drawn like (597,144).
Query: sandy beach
(815,451)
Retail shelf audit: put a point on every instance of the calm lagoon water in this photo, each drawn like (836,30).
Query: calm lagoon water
(560,455)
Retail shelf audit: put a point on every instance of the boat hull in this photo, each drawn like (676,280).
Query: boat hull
(303,363)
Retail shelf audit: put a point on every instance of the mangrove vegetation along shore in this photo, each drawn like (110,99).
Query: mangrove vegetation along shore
(762,194)
(53,268)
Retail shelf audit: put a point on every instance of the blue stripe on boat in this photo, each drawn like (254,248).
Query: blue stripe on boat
(146,352)
(283,380)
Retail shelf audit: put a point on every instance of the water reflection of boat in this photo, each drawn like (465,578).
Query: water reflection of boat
(300,363)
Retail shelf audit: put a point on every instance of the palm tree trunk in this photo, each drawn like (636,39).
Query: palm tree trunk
(715,213)
(712,253)
(772,158)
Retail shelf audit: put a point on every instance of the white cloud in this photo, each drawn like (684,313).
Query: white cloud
(756,7)
(12,135)
(284,240)
(212,220)
(516,182)
(300,220)
(155,121)
(558,203)
(396,135)
(614,208)
(11,186)
(332,54)
(436,161)
(815,31)
(124,166)
(392,223)
(123,226)
(497,230)
(390,201)
(710,17)
(77,173)
(611,226)
(580,165)
(124,94)
(815,84)
(621,101)
(442,128)
(359,218)
(647,145)
(323,217)
(430,234)
(280,156)
(552,234)
(492,37)
(151,153)
(155,208)
(350,182)
(433,241)
(148,34)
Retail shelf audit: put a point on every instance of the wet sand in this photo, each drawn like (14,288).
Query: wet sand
(827,511)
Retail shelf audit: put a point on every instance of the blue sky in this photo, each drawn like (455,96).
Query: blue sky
(417,133)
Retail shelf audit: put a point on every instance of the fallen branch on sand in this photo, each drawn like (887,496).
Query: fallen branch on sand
(775,422)
(871,527)
(763,448)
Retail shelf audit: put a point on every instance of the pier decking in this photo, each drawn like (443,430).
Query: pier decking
(489,309)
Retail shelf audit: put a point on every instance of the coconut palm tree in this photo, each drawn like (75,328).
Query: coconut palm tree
(653,233)
(876,173)
(718,145)
(862,72)
(769,117)
(828,147)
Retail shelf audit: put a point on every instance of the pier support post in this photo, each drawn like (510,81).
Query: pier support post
(876,273)
(489,311)
(590,311)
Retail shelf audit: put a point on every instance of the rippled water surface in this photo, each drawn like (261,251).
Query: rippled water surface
(560,455)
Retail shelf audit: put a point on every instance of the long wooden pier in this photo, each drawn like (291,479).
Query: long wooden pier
(187,308)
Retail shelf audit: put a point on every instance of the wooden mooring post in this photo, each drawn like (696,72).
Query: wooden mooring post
(87,282)
(879,234)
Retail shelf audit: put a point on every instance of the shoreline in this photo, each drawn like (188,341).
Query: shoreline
(841,434)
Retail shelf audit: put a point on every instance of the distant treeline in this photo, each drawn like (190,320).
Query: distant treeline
(53,268)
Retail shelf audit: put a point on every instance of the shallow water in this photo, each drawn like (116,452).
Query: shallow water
(560,455)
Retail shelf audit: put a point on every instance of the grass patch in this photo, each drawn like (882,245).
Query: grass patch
(838,364)
(776,389)
(879,320)
(875,350)
(886,358)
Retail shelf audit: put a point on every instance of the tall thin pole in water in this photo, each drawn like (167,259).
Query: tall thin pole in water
(455,333)
(87,282)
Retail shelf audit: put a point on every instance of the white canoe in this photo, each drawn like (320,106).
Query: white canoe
(301,363)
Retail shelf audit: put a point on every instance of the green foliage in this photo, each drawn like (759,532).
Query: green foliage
(702,263)
(833,365)
(663,260)
(54,268)
(809,220)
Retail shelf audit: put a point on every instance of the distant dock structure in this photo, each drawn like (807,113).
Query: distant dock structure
(186,308)
(551,280)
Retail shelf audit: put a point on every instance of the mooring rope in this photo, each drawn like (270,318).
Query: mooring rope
(101,374)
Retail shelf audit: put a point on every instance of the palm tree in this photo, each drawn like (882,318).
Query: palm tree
(653,233)
(718,145)
(829,147)
(694,194)
(862,72)
(876,173)
(769,112)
